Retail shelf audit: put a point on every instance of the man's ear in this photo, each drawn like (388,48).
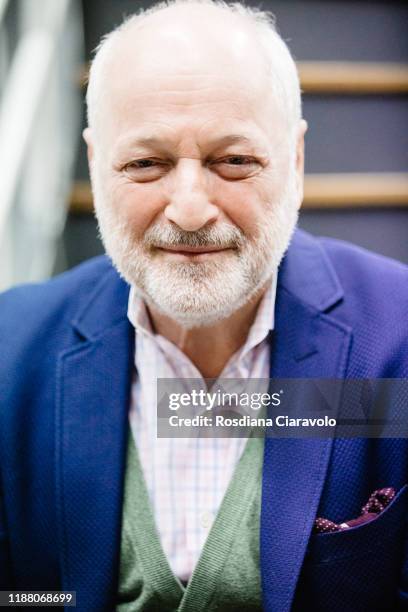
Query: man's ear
(87,136)
(300,158)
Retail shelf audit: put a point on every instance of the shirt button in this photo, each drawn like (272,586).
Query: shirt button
(206,519)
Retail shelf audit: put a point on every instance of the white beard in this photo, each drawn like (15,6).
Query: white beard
(198,294)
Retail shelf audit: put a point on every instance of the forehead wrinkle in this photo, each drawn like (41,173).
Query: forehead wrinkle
(142,102)
(158,141)
(158,88)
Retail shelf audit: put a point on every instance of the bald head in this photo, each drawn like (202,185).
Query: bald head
(175,40)
(184,39)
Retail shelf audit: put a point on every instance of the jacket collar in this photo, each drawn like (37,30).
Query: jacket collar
(308,274)
(105,306)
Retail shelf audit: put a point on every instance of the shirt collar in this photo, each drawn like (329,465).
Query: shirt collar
(137,313)
(264,321)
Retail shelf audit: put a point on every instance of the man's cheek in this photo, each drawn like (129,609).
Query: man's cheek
(136,207)
(244,205)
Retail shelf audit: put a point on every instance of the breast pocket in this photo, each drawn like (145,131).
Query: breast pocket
(357,569)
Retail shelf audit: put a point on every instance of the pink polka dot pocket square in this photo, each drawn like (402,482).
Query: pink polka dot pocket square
(376,503)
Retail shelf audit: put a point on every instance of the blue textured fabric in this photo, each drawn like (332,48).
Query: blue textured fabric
(65,374)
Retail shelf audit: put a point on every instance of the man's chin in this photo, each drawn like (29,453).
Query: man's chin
(199,306)
(189,319)
(202,304)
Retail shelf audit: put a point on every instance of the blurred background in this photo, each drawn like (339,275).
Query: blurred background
(353,62)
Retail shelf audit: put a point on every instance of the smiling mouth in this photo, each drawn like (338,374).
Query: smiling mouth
(193,251)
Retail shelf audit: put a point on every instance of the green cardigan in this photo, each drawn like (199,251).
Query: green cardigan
(227,575)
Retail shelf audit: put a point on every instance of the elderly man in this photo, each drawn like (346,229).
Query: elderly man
(195,145)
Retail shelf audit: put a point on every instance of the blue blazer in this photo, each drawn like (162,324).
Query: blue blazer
(67,353)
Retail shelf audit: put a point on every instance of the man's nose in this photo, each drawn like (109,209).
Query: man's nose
(189,202)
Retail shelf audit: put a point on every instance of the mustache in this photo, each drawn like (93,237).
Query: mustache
(224,236)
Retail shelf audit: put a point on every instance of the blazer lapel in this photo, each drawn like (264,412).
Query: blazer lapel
(91,431)
(306,343)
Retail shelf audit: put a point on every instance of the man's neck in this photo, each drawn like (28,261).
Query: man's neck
(211,347)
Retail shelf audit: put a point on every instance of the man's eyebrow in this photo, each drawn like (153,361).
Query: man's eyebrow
(229,139)
(145,141)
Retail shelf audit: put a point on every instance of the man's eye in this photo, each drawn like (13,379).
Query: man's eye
(238,160)
(236,167)
(142,163)
(143,170)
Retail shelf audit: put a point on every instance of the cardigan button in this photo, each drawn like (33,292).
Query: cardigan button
(206,519)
